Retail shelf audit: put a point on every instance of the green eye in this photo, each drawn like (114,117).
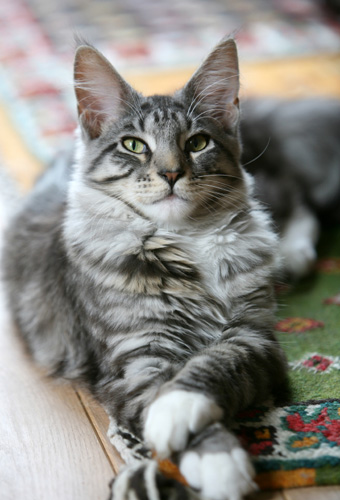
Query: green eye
(135,145)
(197,143)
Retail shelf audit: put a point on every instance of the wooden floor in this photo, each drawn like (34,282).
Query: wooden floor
(53,443)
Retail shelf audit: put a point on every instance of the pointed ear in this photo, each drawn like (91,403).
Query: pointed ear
(213,89)
(102,94)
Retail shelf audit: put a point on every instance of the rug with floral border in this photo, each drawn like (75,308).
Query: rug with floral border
(299,444)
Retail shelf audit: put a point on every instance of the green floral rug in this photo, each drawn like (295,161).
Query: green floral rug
(299,444)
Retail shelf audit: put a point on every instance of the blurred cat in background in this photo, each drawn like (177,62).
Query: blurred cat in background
(292,149)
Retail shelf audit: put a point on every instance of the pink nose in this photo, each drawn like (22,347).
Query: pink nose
(171,177)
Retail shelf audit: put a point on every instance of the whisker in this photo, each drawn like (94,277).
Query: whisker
(220,199)
(221,175)
(210,111)
(258,156)
(220,185)
(226,190)
(203,93)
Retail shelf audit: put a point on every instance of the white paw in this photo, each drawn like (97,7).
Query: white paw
(220,476)
(299,257)
(173,416)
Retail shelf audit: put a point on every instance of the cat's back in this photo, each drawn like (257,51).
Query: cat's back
(39,216)
(33,249)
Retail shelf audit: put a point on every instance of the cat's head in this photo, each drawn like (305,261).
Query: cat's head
(173,159)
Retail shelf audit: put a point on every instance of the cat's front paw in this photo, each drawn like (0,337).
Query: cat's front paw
(173,416)
(219,476)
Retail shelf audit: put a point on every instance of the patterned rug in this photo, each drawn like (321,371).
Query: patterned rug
(299,445)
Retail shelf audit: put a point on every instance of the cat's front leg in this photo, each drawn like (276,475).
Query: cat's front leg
(245,367)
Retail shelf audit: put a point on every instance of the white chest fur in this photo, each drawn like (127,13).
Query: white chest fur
(227,253)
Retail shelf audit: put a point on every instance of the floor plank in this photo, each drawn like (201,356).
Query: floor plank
(48,448)
(267,495)
(100,423)
(313,493)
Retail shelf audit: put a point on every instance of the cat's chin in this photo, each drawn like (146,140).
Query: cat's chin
(171,210)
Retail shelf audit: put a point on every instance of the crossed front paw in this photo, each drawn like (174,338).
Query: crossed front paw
(174,416)
(219,476)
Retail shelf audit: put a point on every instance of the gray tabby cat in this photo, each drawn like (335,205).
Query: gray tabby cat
(145,272)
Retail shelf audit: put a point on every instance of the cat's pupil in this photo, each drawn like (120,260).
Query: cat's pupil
(197,143)
(135,145)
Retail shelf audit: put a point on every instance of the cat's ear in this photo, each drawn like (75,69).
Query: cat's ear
(102,94)
(213,89)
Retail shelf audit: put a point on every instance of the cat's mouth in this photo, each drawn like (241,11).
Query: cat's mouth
(172,198)
(168,209)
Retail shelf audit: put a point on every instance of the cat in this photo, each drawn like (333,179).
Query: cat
(292,149)
(144,271)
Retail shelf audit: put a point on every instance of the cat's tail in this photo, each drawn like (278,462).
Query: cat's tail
(144,481)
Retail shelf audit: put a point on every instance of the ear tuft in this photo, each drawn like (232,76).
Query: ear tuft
(213,89)
(102,94)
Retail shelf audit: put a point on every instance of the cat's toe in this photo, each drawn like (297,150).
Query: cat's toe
(173,416)
(219,476)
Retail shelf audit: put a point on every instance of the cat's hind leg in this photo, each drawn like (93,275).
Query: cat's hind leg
(217,466)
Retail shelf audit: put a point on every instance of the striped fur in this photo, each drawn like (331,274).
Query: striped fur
(154,294)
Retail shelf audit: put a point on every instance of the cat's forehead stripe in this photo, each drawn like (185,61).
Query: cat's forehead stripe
(156,116)
(141,124)
(162,111)
(146,106)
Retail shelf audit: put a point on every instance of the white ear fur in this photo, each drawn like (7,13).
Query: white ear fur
(214,88)
(101,92)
